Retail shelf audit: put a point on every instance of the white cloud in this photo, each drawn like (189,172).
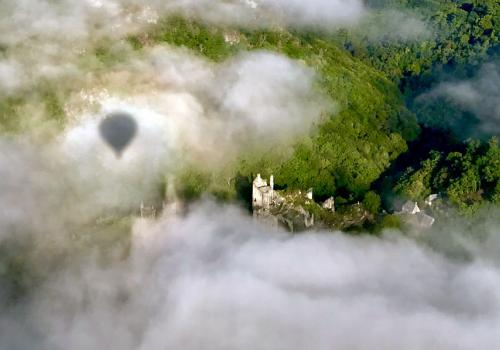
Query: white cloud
(216,280)
(211,112)
(394,25)
(186,109)
(479,95)
(11,75)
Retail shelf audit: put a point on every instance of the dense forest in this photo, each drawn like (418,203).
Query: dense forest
(385,137)
(395,130)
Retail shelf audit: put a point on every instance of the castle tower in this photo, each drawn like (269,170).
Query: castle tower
(262,194)
(258,183)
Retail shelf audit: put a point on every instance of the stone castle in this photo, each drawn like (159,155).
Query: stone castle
(262,195)
(273,209)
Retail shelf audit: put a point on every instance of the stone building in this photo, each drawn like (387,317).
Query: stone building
(262,194)
(410,207)
(329,204)
(263,199)
(415,217)
(147,212)
(281,209)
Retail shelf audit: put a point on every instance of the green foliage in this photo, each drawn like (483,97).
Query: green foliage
(416,185)
(459,35)
(466,177)
(43,104)
(459,178)
(191,183)
(109,53)
(390,222)
(495,195)
(464,190)
(490,162)
(9,113)
(52,99)
(206,40)
(489,168)
(351,148)
(372,202)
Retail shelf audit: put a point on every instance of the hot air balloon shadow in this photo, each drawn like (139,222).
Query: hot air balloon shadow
(118,130)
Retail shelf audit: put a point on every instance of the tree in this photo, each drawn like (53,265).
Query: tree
(372,202)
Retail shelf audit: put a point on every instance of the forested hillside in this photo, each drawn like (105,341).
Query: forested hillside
(378,86)
(392,128)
